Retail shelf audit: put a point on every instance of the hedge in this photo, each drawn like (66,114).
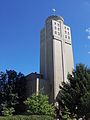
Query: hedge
(31,117)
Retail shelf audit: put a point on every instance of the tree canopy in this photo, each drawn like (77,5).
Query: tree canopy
(75,94)
(12,92)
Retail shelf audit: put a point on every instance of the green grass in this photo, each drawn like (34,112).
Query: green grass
(30,117)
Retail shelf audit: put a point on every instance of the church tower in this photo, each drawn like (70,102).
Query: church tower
(56,56)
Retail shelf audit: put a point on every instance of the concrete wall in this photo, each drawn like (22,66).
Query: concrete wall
(56,56)
(58,65)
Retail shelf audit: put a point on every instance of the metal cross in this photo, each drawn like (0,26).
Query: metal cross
(54,11)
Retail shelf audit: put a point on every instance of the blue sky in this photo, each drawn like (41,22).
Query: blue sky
(20,24)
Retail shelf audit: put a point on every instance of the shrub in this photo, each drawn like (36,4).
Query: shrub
(32,117)
(39,105)
(8,111)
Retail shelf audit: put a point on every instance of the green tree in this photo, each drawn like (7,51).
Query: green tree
(20,88)
(8,96)
(65,114)
(12,92)
(2,87)
(39,105)
(75,94)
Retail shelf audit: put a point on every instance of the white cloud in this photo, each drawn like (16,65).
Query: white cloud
(89,37)
(88,52)
(88,31)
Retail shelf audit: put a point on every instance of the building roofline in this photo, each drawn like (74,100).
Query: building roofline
(55,17)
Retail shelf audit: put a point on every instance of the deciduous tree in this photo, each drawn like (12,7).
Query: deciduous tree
(38,104)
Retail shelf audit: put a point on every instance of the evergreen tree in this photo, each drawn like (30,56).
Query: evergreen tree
(75,94)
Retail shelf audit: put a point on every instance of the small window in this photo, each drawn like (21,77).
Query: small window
(58,24)
(65,32)
(68,37)
(58,33)
(67,28)
(58,28)
(65,36)
(68,33)
(55,27)
(55,23)
(55,32)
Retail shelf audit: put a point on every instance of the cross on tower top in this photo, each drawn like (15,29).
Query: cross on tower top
(54,11)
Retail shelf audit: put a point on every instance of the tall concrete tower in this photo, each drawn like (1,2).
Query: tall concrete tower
(56,56)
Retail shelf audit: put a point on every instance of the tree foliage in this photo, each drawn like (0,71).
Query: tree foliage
(11,92)
(38,104)
(75,94)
